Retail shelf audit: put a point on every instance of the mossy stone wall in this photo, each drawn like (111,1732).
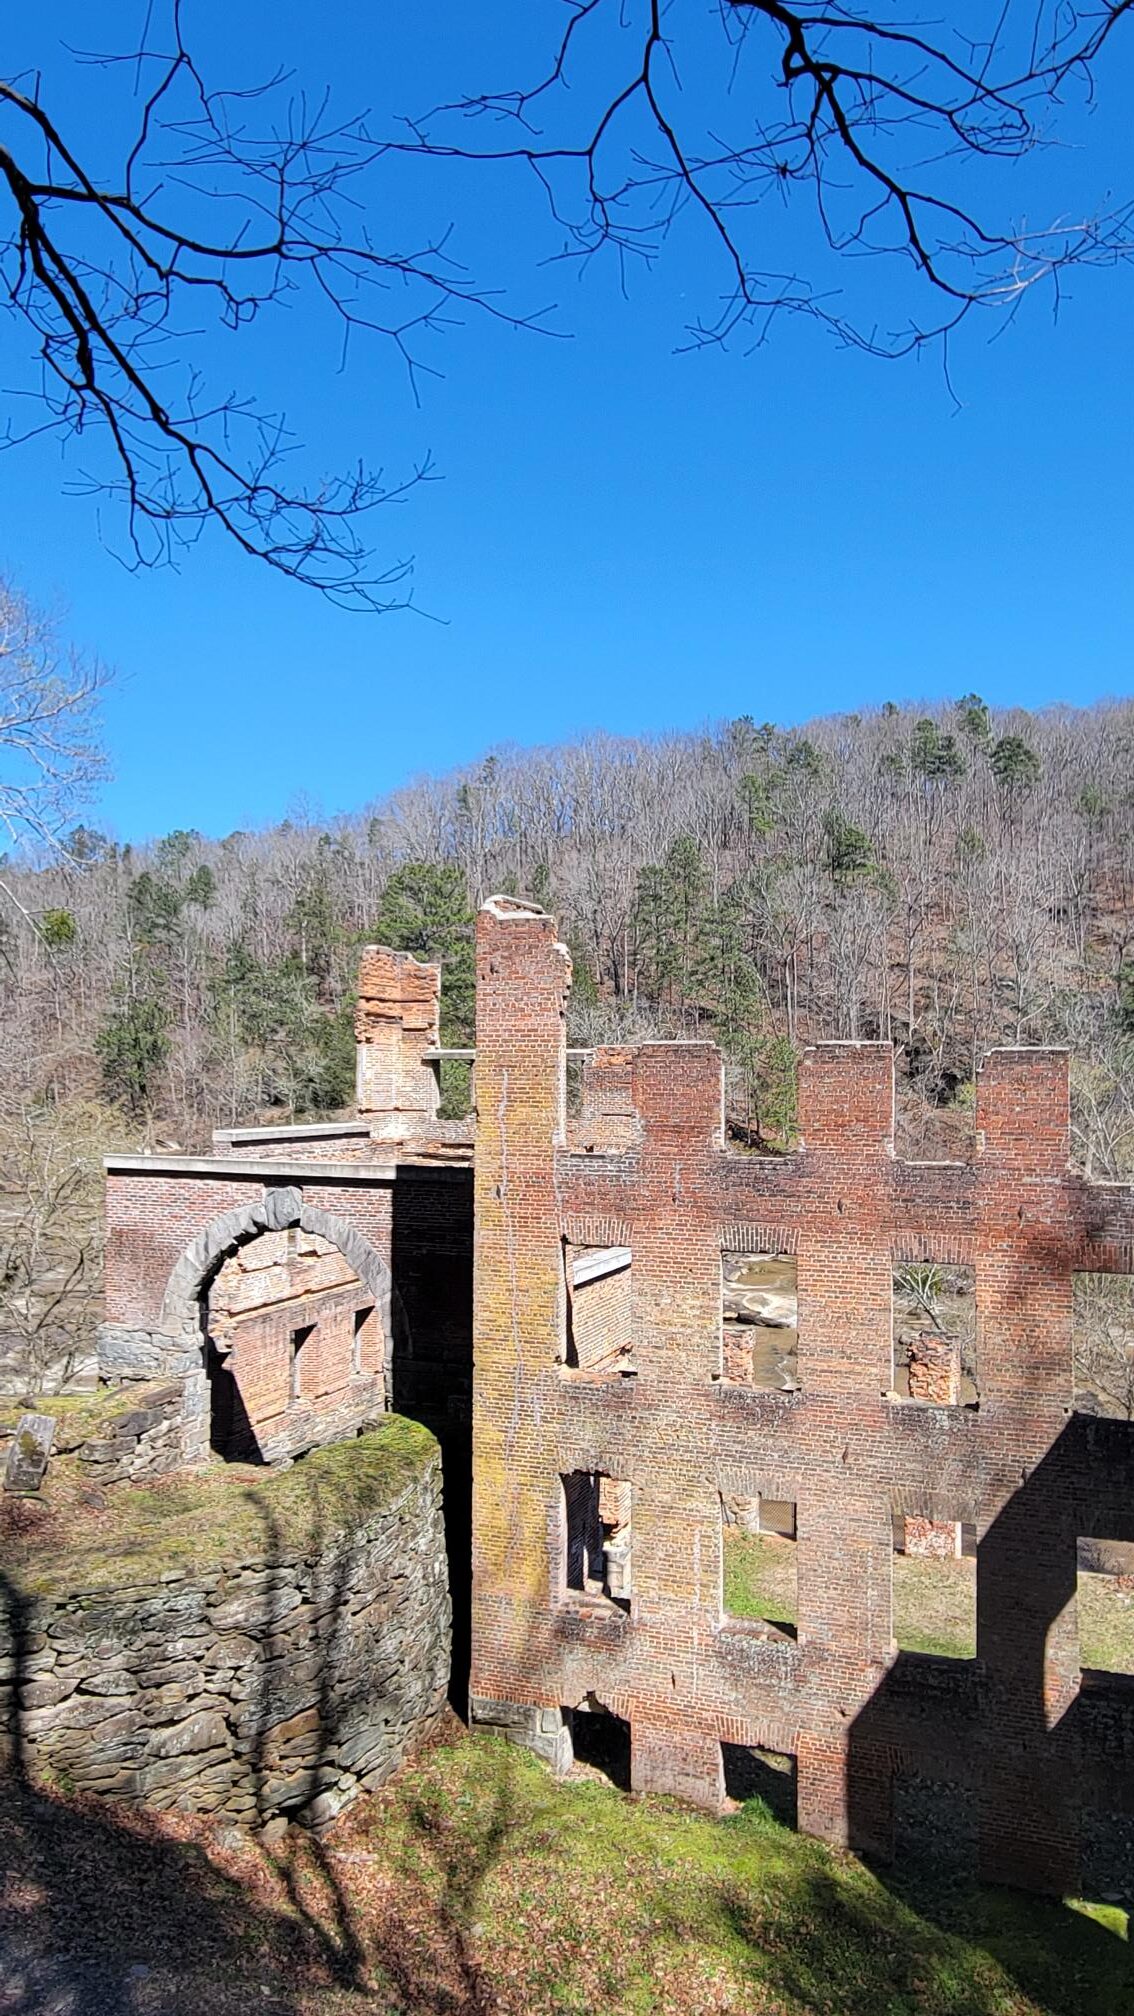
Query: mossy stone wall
(243,1643)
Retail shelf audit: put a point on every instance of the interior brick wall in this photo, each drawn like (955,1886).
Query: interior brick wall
(600,1314)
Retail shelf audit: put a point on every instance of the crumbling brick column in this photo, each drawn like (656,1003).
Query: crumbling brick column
(396,1021)
(935,1369)
(523,974)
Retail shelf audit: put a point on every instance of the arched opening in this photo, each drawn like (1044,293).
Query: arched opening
(290,1307)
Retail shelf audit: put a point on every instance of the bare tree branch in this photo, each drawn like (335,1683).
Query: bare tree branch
(873,119)
(227,203)
(810,137)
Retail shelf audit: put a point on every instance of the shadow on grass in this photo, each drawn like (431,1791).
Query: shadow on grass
(868,1942)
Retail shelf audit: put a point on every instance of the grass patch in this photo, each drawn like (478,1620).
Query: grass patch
(88,1540)
(478,1886)
(759,1577)
(1106,1624)
(79,1417)
(935,1606)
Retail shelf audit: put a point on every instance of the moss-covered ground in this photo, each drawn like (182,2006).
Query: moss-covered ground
(477,1884)
(84,1538)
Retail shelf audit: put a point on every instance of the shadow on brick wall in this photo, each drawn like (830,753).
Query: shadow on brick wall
(431,1262)
(1016,1766)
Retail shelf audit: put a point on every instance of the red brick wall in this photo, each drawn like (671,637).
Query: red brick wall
(1011,1726)
(600,1313)
(273,1287)
(152,1219)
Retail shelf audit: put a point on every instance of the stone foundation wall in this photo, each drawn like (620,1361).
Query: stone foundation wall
(303,1658)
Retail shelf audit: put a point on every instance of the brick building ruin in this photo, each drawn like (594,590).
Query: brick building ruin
(674,1343)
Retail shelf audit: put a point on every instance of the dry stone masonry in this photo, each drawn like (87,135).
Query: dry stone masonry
(269,1671)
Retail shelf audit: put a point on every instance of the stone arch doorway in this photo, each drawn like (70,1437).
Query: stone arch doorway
(288,1308)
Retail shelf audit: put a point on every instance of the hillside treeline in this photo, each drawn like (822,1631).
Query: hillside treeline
(943,879)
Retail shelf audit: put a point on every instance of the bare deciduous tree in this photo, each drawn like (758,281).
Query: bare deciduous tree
(50,1243)
(49,750)
(874,116)
(1104,1341)
(799,137)
(226,201)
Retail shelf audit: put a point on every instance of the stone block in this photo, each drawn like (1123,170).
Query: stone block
(28,1454)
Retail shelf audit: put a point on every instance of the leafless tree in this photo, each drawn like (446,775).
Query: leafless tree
(874,117)
(226,201)
(49,750)
(799,137)
(50,1242)
(1104,1341)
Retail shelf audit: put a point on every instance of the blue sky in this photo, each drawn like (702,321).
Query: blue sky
(619,536)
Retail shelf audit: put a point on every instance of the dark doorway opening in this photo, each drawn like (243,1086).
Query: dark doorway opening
(231,1434)
(750,1773)
(602,1742)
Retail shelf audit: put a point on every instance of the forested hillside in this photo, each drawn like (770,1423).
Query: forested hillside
(943,879)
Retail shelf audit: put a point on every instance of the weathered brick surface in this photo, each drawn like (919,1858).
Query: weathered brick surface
(396,1022)
(939,1539)
(599,1315)
(284,1395)
(1012,1729)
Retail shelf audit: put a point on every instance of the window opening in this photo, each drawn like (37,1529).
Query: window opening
(298,1340)
(760,1321)
(768,1775)
(934,1593)
(598,1285)
(599,1536)
(934,1333)
(1106,1607)
(759,1584)
(361,1319)
(1102,1331)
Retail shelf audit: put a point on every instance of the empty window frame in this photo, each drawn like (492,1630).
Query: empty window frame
(1102,1331)
(934,1333)
(758,1571)
(760,1321)
(934,1592)
(299,1338)
(598,1308)
(1106,1607)
(360,1337)
(598,1536)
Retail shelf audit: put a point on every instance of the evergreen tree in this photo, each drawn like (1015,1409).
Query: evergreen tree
(425,910)
(132,1046)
